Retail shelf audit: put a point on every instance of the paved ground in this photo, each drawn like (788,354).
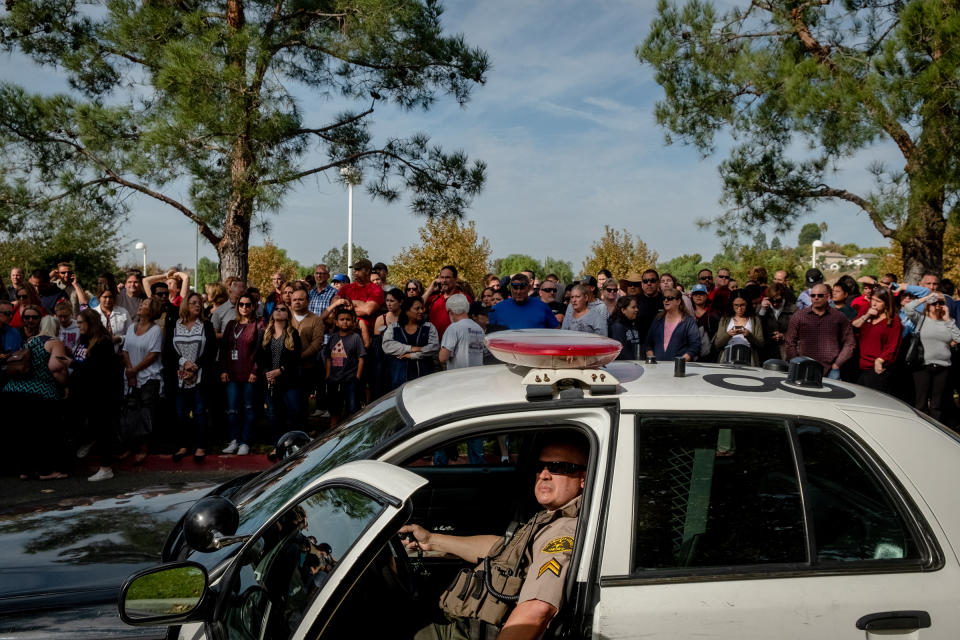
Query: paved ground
(18,496)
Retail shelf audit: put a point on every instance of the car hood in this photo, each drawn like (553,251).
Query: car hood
(62,564)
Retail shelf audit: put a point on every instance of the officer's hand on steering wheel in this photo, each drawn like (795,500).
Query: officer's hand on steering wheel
(413,536)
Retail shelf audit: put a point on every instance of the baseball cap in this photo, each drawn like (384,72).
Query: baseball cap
(477,308)
(699,288)
(814,276)
(362,263)
(588,280)
(341,278)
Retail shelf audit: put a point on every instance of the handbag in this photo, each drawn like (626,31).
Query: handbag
(136,418)
(18,363)
(913,351)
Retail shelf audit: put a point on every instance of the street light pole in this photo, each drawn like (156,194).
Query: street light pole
(142,246)
(813,259)
(352,176)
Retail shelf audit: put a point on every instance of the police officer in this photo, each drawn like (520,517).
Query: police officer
(518,583)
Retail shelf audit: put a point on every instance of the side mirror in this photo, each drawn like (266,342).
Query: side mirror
(168,594)
(210,524)
(291,442)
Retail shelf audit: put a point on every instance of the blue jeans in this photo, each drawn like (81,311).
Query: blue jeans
(834,374)
(184,401)
(283,407)
(240,400)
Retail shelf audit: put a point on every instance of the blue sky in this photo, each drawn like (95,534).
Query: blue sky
(565,124)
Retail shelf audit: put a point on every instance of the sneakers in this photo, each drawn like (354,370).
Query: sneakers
(243,450)
(320,413)
(232,447)
(101,474)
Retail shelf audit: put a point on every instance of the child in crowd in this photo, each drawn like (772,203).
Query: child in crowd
(344,355)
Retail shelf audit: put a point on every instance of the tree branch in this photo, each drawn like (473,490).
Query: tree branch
(331,127)
(824,191)
(873,105)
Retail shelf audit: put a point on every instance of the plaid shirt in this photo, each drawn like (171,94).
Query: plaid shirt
(828,339)
(320,300)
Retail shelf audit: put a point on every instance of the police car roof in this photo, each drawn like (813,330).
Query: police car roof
(705,387)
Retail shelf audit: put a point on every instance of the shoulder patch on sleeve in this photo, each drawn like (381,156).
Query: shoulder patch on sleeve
(558,545)
(550,565)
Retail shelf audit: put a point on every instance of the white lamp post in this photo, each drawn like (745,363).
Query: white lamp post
(142,246)
(351,176)
(813,260)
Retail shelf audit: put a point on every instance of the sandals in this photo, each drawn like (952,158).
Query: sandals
(56,475)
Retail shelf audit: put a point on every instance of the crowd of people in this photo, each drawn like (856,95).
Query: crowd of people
(151,364)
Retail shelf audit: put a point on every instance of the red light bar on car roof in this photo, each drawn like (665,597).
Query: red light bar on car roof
(552,348)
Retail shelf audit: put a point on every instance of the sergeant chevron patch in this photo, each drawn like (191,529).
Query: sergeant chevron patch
(550,565)
(558,545)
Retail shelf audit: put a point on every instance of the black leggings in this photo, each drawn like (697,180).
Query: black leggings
(930,383)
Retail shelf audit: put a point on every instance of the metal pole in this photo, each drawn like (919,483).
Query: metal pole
(145,260)
(813,258)
(349,226)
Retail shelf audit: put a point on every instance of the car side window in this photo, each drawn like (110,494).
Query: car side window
(286,567)
(854,518)
(716,492)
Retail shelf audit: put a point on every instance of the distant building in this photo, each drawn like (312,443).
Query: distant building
(860,260)
(832,261)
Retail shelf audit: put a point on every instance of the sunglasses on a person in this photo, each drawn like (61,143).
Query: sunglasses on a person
(23,297)
(671,297)
(6,313)
(818,295)
(650,280)
(518,285)
(938,303)
(706,278)
(725,277)
(162,293)
(244,304)
(632,283)
(558,468)
(610,289)
(412,289)
(284,309)
(31,317)
(546,290)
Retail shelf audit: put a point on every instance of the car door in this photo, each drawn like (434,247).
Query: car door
(768,527)
(285,576)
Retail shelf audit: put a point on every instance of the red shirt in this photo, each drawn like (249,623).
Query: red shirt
(363,293)
(861,304)
(437,309)
(879,341)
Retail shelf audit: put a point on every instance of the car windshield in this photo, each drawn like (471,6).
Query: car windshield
(264,496)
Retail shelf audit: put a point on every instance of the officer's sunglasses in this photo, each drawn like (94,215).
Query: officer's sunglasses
(558,468)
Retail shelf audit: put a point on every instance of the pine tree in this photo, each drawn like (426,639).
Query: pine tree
(167,93)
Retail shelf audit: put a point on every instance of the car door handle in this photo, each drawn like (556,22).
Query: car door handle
(891,620)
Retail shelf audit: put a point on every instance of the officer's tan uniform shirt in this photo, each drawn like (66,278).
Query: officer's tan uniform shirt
(551,551)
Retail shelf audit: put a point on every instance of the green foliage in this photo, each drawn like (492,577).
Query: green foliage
(808,233)
(803,87)
(336,259)
(83,238)
(563,269)
(517,262)
(684,268)
(174,92)
(776,244)
(208,272)
(617,251)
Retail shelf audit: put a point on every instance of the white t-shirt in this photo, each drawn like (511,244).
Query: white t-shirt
(69,335)
(139,347)
(464,340)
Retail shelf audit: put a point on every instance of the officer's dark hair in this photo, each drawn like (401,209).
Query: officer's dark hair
(323,546)
(452,269)
(157,285)
(40,275)
(925,274)
(605,272)
(947,287)
(311,561)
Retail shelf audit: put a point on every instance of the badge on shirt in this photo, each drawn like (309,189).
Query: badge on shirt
(559,545)
(552,566)
(235,354)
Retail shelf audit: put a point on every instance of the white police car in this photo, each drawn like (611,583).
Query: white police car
(722,501)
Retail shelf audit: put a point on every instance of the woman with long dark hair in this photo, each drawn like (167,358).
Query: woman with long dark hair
(280,362)
(879,338)
(740,325)
(191,349)
(380,370)
(410,343)
(673,333)
(624,329)
(96,389)
(238,365)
